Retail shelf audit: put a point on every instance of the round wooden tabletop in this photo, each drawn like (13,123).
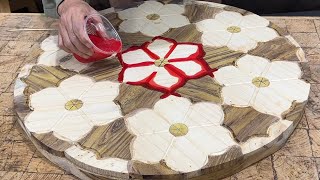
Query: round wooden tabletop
(201,90)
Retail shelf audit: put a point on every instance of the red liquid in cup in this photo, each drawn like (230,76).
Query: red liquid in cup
(107,48)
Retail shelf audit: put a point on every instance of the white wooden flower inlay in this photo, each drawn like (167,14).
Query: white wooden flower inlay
(180,133)
(152,18)
(269,87)
(72,109)
(237,32)
(54,56)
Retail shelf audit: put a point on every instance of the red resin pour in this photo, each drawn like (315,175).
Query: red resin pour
(107,48)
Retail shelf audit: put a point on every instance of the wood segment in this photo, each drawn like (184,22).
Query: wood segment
(112,140)
(247,122)
(233,153)
(132,98)
(295,113)
(198,12)
(188,33)
(203,89)
(106,70)
(220,57)
(53,144)
(278,49)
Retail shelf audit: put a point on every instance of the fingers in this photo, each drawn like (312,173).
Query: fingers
(67,41)
(60,40)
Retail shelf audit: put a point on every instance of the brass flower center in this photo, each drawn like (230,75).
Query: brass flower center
(234,29)
(153,17)
(161,62)
(73,105)
(178,129)
(261,82)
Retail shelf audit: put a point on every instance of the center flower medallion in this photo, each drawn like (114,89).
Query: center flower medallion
(73,105)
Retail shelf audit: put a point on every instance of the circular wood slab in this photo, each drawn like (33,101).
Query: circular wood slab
(201,90)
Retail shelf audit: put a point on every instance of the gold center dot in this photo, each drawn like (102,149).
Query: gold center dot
(161,62)
(178,129)
(73,105)
(234,29)
(261,82)
(153,17)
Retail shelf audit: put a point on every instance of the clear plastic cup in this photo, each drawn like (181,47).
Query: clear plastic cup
(104,38)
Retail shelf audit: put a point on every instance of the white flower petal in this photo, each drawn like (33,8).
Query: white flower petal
(131,13)
(136,56)
(164,78)
(240,42)
(215,140)
(154,29)
(283,70)
(253,66)
(90,159)
(175,21)
(160,47)
(278,97)
(72,127)
(101,113)
(184,156)
(43,121)
(183,51)
(104,91)
(216,38)
(173,109)
(136,74)
(211,25)
(229,18)
(170,9)
(238,95)
(190,68)
(75,86)
(262,34)
(52,58)
(147,122)
(150,7)
(230,75)
(50,44)
(253,21)
(294,90)
(202,114)
(151,148)
(49,98)
(133,25)
(73,64)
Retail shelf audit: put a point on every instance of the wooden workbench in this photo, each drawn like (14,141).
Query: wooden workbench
(20,160)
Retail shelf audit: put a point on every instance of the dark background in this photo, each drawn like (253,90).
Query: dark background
(261,7)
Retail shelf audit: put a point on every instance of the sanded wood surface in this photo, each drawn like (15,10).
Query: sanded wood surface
(21,160)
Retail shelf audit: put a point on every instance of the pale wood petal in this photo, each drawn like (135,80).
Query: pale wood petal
(230,75)
(211,25)
(262,34)
(190,68)
(216,38)
(253,21)
(183,51)
(171,9)
(175,21)
(229,18)
(132,13)
(132,25)
(150,7)
(160,47)
(154,29)
(164,78)
(136,56)
(253,66)
(50,44)
(240,42)
(238,95)
(47,99)
(282,70)
(136,74)
(75,86)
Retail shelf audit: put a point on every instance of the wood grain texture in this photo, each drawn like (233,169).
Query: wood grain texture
(140,170)
(203,89)
(247,122)
(220,57)
(280,31)
(198,12)
(106,70)
(238,10)
(278,49)
(132,98)
(233,153)
(188,33)
(50,141)
(112,140)
(295,113)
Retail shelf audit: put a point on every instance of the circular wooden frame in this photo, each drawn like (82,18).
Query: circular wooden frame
(213,106)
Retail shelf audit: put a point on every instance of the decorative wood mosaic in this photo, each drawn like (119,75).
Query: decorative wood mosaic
(201,90)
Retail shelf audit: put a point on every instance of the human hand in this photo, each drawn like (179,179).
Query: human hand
(72,35)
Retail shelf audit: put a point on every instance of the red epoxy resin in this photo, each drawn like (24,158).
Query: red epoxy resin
(104,49)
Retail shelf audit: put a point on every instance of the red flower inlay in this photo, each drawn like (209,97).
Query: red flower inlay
(163,65)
